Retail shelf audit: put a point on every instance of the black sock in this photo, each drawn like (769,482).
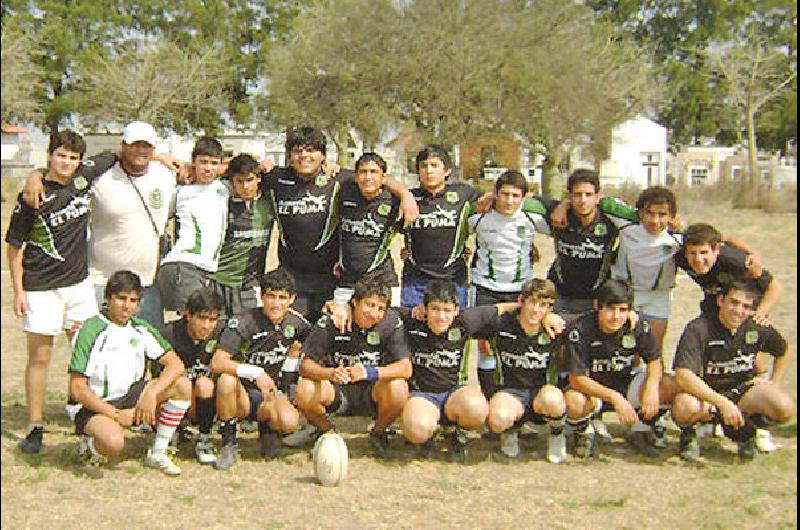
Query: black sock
(762,422)
(264,428)
(229,432)
(204,414)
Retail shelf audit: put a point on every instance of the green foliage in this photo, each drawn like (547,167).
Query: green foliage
(21,77)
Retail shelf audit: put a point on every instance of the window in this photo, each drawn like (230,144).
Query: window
(699,175)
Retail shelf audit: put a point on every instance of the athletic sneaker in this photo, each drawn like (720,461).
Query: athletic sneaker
(161,461)
(458,446)
(92,460)
(584,442)
(556,448)
(206,454)
(270,445)
(660,434)
(747,449)
(32,443)
(509,444)
(227,457)
(704,430)
(764,441)
(688,446)
(640,440)
(380,443)
(602,436)
(302,437)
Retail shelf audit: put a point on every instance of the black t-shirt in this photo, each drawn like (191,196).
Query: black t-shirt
(367,229)
(308,217)
(525,360)
(436,239)
(250,337)
(722,359)
(55,235)
(384,344)
(607,359)
(442,361)
(728,267)
(195,354)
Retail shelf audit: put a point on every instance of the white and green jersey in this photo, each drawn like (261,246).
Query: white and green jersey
(503,259)
(645,260)
(201,212)
(112,357)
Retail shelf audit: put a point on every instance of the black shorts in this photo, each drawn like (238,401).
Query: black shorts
(354,399)
(127,401)
(257,397)
(737,393)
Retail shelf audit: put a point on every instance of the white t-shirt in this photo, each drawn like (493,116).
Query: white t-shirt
(201,211)
(122,236)
(647,261)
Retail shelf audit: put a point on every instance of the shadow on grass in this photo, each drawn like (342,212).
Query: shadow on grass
(785,431)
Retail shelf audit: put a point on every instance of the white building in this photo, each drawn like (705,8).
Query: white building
(638,154)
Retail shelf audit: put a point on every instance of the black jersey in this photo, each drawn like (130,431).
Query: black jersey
(366,235)
(308,217)
(728,267)
(384,344)
(442,361)
(244,249)
(55,235)
(584,254)
(195,354)
(725,360)
(525,361)
(250,337)
(608,359)
(436,239)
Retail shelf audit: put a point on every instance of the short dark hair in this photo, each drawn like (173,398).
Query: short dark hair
(372,285)
(539,288)
(702,234)
(207,146)
(371,157)
(306,136)
(614,292)
(443,291)
(204,300)
(657,195)
(69,140)
(589,176)
(742,284)
(434,151)
(278,280)
(121,282)
(512,178)
(241,165)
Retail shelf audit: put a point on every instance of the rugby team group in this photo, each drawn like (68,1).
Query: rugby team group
(176,333)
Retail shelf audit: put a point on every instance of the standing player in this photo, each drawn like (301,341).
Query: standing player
(257,360)
(194,338)
(107,377)
(715,370)
(530,382)
(361,372)
(47,259)
(601,349)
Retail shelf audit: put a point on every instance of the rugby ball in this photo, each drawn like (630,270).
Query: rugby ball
(330,459)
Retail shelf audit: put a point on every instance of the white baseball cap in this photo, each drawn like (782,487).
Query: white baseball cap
(139,131)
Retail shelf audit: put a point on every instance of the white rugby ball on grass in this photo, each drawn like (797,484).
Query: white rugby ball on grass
(330,459)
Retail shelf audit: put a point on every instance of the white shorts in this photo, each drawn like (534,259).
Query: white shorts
(652,304)
(51,312)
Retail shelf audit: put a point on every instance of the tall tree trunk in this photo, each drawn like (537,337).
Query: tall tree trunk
(551,175)
(754,193)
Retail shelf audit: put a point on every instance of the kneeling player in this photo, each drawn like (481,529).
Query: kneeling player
(194,338)
(257,360)
(601,348)
(439,348)
(529,374)
(107,373)
(361,372)
(715,370)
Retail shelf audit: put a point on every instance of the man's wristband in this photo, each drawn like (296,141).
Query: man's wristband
(248,371)
(372,372)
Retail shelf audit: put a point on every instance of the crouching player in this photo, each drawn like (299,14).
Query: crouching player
(530,387)
(361,372)
(440,347)
(715,370)
(194,338)
(107,378)
(257,360)
(601,348)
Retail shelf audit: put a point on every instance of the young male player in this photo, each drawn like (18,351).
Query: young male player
(601,349)
(361,372)
(257,359)
(107,378)
(47,259)
(715,370)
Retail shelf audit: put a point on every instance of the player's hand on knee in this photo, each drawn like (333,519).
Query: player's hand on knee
(357,372)
(625,411)
(266,385)
(145,411)
(731,415)
(125,417)
(649,406)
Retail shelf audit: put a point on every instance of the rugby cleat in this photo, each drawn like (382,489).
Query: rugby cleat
(585,442)
(302,437)
(227,457)
(764,442)
(509,444)
(161,461)
(205,452)
(32,443)
(556,448)
(689,447)
(747,449)
(640,440)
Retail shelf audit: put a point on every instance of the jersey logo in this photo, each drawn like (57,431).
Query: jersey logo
(451,197)
(80,182)
(321,180)
(233,323)
(544,339)
(134,342)
(211,346)
(600,230)
(288,331)
(521,231)
(574,336)
(384,209)
(373,339)
(156,199)
(453,334)
(751,337)
(628,341)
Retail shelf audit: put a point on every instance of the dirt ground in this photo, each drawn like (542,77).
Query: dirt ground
(615,490)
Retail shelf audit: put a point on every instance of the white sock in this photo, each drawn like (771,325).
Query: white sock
(169,417)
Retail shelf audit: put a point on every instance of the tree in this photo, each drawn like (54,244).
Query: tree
(21,78)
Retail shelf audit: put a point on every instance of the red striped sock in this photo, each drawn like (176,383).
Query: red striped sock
(169,417)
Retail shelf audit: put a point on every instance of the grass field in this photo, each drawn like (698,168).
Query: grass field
(615,490)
